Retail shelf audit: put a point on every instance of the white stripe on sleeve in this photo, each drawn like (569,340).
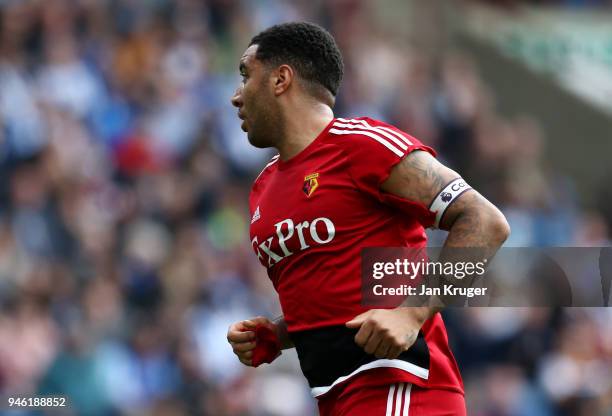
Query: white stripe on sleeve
(372,135)
(366,126)
(401,136)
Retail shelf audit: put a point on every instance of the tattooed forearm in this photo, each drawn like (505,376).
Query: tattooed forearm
(471,220)
(476,227)
(476,233)
(476,223)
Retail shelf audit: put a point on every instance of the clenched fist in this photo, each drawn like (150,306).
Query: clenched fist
(241,336)
(387,333)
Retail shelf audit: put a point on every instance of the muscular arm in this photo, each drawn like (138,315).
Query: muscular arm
(472,222)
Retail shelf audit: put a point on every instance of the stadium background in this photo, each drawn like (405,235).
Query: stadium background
(124,176)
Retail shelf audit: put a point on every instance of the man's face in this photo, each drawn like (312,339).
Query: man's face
(255,100)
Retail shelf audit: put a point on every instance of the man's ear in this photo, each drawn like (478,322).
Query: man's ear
(283,79)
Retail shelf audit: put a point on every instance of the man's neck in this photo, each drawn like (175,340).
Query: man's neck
(300,131)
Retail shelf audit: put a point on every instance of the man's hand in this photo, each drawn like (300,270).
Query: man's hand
(387,333)
(241,336)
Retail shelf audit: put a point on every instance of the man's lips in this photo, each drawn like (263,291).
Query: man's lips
(243,118)
(243,124)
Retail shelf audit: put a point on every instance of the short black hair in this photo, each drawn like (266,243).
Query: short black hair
(307,47)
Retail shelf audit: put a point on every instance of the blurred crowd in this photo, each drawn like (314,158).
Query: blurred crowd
(124,175)
(565,3)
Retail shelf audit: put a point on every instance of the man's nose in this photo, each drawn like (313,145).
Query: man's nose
(237,98)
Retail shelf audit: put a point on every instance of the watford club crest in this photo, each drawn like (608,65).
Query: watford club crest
(311,183)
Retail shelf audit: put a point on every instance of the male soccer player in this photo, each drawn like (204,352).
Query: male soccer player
(336,186)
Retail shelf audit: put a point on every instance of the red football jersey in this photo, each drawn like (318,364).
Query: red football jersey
(311,216)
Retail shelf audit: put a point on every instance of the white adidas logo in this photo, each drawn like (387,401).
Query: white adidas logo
(256,215)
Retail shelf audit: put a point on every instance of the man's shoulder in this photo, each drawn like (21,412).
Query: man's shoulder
(369,136)
(365,122)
